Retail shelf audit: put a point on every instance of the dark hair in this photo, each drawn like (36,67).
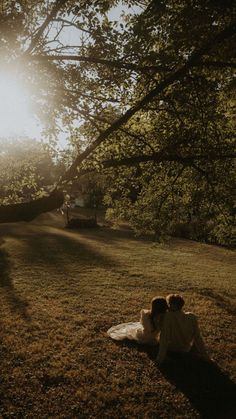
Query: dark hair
(175,301)
(158,306)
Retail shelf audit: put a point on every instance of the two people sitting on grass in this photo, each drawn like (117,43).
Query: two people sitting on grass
(165,324)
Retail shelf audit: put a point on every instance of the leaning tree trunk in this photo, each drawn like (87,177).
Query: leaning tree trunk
(27,211)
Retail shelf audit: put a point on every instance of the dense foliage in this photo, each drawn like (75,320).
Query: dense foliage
(27,170)
(146,98)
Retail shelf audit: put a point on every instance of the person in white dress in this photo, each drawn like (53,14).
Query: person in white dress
(147,330)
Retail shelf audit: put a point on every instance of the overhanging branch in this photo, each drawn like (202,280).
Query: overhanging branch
(27,211)
(159,157)
(216,64)
(96,60)
(161,86)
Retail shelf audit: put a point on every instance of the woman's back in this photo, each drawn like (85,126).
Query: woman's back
(147,330)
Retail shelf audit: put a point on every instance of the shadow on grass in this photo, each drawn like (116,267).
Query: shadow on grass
(59,248)
(6,286)
(209,390)
(219,299)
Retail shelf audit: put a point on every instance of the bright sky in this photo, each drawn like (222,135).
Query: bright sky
(16,117)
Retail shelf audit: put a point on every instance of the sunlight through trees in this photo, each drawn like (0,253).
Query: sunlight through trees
(146,100)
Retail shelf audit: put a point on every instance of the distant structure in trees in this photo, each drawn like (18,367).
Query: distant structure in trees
(79,222)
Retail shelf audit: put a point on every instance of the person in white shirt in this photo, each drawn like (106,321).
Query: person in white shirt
(180,331)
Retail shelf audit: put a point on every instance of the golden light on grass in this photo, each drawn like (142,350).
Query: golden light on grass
(15,115)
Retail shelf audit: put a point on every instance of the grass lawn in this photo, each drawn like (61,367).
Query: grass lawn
(60,290)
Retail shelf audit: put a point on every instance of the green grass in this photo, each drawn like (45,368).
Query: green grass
(60,290)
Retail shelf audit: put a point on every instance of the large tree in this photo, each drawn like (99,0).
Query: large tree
(147,98)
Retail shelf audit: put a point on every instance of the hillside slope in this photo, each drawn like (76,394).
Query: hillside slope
(60,290)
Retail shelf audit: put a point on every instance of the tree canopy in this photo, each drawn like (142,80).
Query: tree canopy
(147,99)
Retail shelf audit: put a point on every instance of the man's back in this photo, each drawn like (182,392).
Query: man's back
(179,332)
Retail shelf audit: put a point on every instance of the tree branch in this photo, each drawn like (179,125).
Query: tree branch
(75,25)
(96,60)
(161,86)
(158,157)
(27,211)
(129,66)
(216,64)
(55,9)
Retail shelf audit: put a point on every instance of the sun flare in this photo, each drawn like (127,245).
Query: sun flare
(15,115)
